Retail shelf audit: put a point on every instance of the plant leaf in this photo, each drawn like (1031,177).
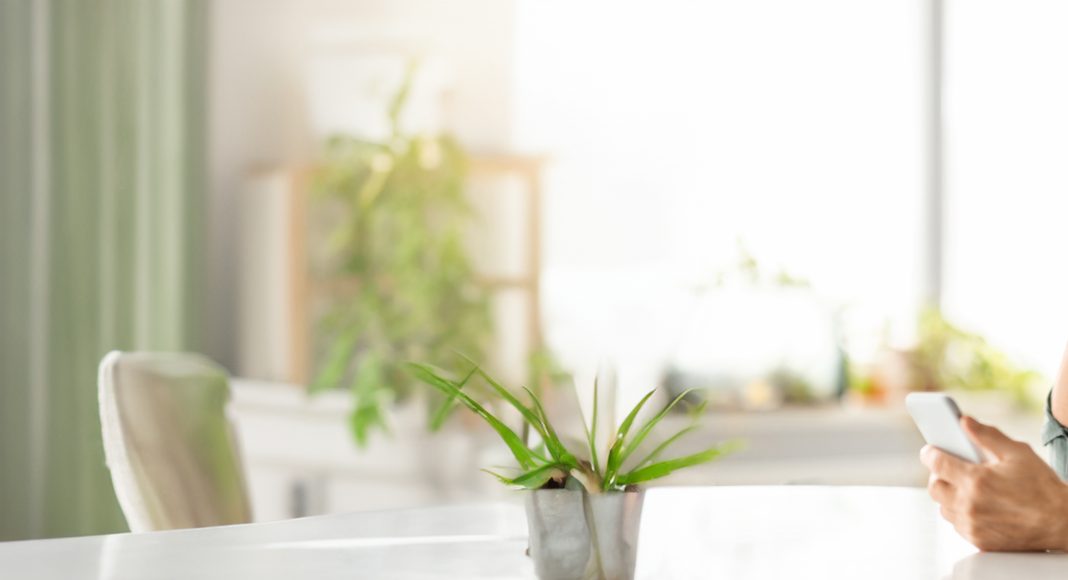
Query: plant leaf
(591,433)
(533,479)
(655,453)
(528,414)
(499,477)
(368,397)
(613,462)
(446,407)
(645,429)
(552,441)
(337,362)
(696,411)
(437,420)
(663,468)
(537,478)
(522,454)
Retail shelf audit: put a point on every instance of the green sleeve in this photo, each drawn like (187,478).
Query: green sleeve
(1055,436)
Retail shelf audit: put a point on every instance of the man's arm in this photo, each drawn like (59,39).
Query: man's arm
(1059,398)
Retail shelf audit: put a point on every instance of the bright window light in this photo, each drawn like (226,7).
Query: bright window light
(1007,173)
(679,128)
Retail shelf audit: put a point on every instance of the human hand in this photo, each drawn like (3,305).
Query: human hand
(1011,502)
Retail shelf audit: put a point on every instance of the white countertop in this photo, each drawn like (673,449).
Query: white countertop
(706,532)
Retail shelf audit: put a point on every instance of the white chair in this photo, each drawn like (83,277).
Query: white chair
(173,457)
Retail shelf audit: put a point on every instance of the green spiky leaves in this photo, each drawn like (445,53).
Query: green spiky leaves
(549,461)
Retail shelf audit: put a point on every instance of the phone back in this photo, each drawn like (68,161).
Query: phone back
(938,419)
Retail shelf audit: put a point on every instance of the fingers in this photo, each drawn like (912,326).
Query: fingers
(945,466)
(987,437)
(940,491)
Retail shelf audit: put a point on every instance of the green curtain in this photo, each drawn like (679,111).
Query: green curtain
(101,216)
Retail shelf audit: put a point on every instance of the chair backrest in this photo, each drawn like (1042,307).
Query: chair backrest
(172,453)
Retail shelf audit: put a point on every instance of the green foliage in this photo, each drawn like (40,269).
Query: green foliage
(663,468)
(749,271)
(794,387)
(414,293)
(957,359)
(526,457)
(562,464)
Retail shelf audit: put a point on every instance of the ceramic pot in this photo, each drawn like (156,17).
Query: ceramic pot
(578,536)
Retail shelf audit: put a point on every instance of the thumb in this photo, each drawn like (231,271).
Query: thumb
(987,437)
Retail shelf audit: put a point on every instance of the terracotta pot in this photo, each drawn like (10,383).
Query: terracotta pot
(578,536)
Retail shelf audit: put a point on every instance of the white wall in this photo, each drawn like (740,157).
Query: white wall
(257,98)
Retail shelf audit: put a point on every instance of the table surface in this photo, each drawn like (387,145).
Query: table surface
(706,532)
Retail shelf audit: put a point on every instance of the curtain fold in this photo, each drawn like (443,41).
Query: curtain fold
(101,220)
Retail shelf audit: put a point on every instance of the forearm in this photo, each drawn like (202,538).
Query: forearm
(1059,399)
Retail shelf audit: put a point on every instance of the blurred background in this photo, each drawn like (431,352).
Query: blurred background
(803,209)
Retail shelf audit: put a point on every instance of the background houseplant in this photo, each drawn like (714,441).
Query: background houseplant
(789,335)
(585,510)
(952,358)
(408,285)
(945,356)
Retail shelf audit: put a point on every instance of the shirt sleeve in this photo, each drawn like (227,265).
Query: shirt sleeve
(1055,436)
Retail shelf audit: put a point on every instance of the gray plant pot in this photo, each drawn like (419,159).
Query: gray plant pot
(578,536)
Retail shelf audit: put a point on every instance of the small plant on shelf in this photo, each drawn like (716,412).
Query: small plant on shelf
(584,508)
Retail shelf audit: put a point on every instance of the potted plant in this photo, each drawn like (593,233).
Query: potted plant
(405,286)
(584,506)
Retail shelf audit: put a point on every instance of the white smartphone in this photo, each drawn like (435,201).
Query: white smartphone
(938,418)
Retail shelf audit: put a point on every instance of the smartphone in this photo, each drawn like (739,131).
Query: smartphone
(938,418)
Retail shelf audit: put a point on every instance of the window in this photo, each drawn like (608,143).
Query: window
(681,128)
(1006,119)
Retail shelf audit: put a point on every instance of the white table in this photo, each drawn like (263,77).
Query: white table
(710,532)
